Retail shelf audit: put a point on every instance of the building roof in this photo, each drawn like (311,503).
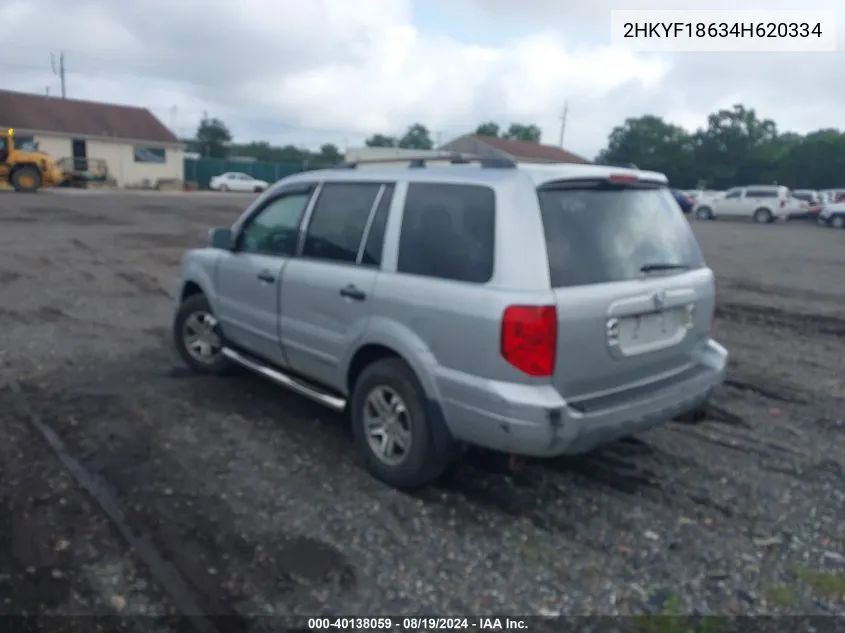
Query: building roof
(82,118)
(529,151)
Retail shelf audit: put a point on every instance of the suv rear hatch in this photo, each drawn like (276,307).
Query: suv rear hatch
(634,297)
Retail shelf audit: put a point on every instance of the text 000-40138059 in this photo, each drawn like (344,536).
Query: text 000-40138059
(724,31)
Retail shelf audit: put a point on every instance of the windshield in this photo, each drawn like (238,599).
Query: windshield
(598,233)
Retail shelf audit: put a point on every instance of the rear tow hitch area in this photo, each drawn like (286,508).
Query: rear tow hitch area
(516,463)
(699,414)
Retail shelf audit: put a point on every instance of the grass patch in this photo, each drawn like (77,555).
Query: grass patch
(782,596)
(826,582)
(671,619)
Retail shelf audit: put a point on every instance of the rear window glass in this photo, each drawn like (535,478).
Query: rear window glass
(603,233)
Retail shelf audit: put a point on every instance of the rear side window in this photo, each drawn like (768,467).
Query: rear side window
(761,193)
(448,231)
(338,221)
(603,233)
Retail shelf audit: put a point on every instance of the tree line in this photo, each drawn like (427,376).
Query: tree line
(736,147)
(214,140)
(418,136)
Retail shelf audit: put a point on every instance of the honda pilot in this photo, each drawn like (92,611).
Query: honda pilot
(535,310)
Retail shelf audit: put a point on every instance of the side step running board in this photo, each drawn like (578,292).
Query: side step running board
(327,400)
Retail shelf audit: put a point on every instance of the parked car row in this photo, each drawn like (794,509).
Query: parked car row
(769,203)
(761,203)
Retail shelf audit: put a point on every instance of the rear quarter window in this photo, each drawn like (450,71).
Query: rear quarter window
(601,233)
(448,232)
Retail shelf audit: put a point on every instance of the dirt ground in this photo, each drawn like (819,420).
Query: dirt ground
(236,499)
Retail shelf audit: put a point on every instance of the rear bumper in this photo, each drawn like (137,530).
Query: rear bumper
(534,420)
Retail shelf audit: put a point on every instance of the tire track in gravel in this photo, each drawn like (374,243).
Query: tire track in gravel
(73,217)
(166,575)
(212,549)
(58,559)
(772,317)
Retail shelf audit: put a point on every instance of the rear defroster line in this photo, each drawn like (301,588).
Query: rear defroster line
(163,572)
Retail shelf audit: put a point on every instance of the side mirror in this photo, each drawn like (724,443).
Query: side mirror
(220,238)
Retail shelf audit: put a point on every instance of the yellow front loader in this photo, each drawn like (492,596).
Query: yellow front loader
(26,170)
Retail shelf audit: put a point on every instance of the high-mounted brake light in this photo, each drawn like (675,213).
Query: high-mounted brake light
(529,338)
(622,178)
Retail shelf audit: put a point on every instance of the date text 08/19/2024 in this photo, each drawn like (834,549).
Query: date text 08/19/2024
(636,30)
(419,623)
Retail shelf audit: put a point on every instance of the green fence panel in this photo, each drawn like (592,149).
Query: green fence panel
(202,170)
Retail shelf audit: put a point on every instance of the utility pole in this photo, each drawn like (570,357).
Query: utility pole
(563,122)
(59,70)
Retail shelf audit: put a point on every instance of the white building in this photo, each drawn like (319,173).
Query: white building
(134,146)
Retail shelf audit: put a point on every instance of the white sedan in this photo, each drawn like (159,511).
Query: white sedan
(237,181)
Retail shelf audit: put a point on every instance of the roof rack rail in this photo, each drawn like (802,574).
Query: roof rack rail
(615,164)
(417,162)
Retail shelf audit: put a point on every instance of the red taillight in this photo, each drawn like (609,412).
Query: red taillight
(529,338)
(622,178)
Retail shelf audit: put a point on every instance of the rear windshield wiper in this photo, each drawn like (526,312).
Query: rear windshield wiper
(648,268)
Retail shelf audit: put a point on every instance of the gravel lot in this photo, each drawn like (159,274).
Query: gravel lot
(241,499)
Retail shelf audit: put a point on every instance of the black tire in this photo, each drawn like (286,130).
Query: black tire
(763,216)
(704,213)
(193,304)
(26,179)
(432,449)
(838,221)
(223,189)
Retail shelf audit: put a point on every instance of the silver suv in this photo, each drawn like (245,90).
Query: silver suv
(534,310)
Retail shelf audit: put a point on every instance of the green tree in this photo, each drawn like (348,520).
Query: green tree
(523,132)
(416,136)
(213,137)
(330,154)
(735,147)
(738,148)
(816,162)
(490,128)
(263,151)
(649,142)
(380,140)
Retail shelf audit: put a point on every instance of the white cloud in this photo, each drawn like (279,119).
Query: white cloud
(335,70)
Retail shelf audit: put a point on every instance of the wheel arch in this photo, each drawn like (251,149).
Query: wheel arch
(385,337)
(372,352)
(189,289)
(18,166)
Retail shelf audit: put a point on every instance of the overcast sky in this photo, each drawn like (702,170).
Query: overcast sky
(313,71)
